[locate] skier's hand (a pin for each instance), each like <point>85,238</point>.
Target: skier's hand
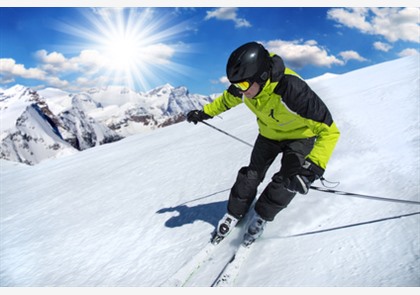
<point>311,171</point>
<point>302,181</point>
<point>296,177</point>
<point>196,116</point>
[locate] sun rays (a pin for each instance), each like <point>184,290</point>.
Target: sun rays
<point>132,47</point>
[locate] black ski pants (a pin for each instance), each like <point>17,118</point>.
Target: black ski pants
<point>275,197</point>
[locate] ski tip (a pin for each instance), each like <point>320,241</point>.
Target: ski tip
<point>248,240</point>
<point>216,239</point>
<point>247,244</point>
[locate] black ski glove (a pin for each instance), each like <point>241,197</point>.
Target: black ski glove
<point>296,177</point>
<point>196,116</point>
<point>302,181</point>
<point>311,171</point>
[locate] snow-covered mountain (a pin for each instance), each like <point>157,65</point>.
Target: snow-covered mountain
<point>31,131</point>
<point>133,212</point>
<point>128,112</point>
<point>37,125</point>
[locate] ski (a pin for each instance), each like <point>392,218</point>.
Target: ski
<point>184,274</point>
<point>187,271</point>
<point>232,268</point>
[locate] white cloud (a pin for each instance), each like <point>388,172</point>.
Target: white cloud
<point>89,82</point>
<point>352,17</point>
<point>89,61</point>
<point>10,69</point>
<point>350,54</point>
<point>54,62</point>
<point>6,79</point>
<point>298,54</point>
<point>56,82</point>
<point>87,66</point>
<point>225,81</point>
<point>51,66</point>
<point>408,52</point>
<point>393,24</point>
<point>382,46</point>
<point>53,57</point>
<point>222,80</point>
<point>227,13</point>
<point>160,53</point>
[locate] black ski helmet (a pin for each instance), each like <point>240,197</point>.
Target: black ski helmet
<point>250,61</point>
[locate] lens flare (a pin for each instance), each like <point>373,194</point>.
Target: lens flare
<point>135,47</point>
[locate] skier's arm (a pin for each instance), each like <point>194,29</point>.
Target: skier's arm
<point>327,137</point>
<point>301,99</point>
<point>229,99</point>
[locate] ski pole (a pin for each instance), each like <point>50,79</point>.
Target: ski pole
<point>224,132</point>
<point>327,190</point>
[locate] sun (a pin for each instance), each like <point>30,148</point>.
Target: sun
<point>122,51</point>
<point>134,47</point>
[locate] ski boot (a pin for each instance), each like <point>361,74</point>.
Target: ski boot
<point>255,230</point>
<point>224,227</point>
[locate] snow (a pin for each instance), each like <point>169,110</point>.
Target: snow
<point>15,102</point>
<point>115,95</point>
<point>131,213</point>
<point>58,100</point>
<point>323,77</point>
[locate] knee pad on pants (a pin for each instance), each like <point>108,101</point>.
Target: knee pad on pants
<point>273,199</point>
<point>243,192</point>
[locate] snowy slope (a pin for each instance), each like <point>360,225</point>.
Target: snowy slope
<point>130,213</point>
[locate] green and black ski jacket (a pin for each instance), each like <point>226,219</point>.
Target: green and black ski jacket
<point>286,108</point>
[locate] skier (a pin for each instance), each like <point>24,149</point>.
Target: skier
<point>292,120</point>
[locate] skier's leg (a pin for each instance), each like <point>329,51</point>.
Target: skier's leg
<point>241,196</point>
<point>244,190</point>
<point>275,196</point>
<point>273,199</point>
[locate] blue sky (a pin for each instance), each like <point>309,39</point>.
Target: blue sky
<point>75,49</point>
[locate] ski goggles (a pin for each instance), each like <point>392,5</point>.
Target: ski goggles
<point>243,86</point>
